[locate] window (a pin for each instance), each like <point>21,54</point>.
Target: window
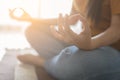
<point>11,31</point>
<point>52,8</point>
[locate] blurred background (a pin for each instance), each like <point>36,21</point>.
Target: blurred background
<point>12,31</point>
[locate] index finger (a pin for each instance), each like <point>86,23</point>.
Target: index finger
<point>84,22</point>
<point>60,23</point>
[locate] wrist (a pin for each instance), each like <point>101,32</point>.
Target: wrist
<point>90,45</point>
<point>86,46</point>
<point>94,44</point>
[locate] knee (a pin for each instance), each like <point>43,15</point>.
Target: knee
<point>30,31</point>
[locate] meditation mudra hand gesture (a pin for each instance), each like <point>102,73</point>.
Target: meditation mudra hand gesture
<point>65,33</point>
<point>24,16</point>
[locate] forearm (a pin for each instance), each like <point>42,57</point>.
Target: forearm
<point>44,21</point>
<point>53,21</point>
<point>106,38</point>
<point>110,36</point>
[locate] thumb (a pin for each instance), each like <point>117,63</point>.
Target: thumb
<point>85,24</point>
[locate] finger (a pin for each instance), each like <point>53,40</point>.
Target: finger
<point>60,21</point>
<point>67,26</point>
<point>23,10</point>
<point>10,10</point>
<point>11,13</point>
<point>86,28</point>
<point>59,36</point>
<point>84,20</point>
<point>55,33</point>
<point>68,33</point>
<point>60,24</point>
<point>66,21</point>
<point>85,25</point>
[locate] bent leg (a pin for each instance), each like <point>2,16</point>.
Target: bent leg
<point>45,44</point>
<point>75,64</point>
<point>41,39</point>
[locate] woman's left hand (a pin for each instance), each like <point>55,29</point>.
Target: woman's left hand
<point>64,33</point>
<point>24,16</point>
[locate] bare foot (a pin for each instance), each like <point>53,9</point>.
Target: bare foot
<point>31,59</point>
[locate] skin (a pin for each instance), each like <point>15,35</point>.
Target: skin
<point>110,36</point>
<point>84,40</point>
<point>26,17</point>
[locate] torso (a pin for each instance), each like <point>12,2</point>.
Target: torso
<point>104,22</point>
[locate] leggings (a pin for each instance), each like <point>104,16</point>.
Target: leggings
<point>67,62</point>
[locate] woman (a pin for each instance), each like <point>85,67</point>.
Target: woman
<point>90,58</point>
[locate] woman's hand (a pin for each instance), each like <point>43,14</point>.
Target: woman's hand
<point>64,33</point>
<point>73,19</point>
<point>24,17</point>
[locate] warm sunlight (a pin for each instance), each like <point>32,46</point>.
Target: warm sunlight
<point>11,4</point>
<point>52,8</point>
<point>11,31</point>
<point>36,8</point>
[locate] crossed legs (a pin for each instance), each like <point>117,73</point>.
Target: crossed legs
<point>44,43</point>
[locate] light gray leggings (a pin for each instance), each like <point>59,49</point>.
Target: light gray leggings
<point>66,62</point>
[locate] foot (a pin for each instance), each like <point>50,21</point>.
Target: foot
<point>31,59</point>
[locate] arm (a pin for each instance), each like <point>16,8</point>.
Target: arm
<point>84,40</point>
<point>54,21</point>
<point>108,37</point>
<point>44,21</point>
<point>72,20</point>
<point>26,17</point>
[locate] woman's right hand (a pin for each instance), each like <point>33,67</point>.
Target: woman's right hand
<point>24,17</point>
<point>73,19</point>
<point>65,33</point>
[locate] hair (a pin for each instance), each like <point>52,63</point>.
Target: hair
<point>93,9</point>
